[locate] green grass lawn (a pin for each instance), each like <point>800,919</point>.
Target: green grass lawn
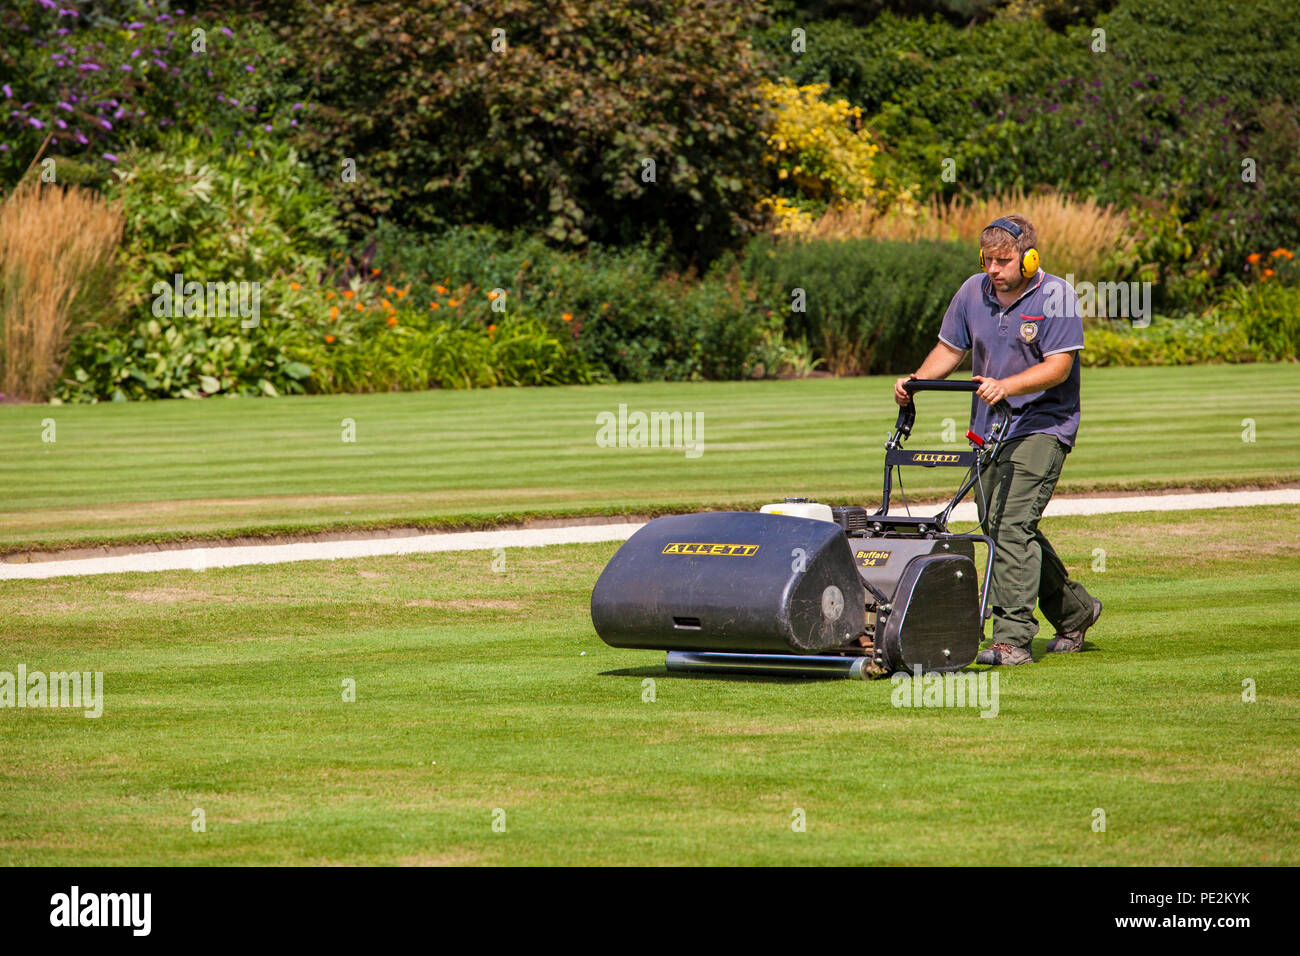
<point>479,691</point>
<point>219,468</point>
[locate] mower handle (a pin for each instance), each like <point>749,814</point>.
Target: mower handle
<point>939,385</point>
<point>907,413</point>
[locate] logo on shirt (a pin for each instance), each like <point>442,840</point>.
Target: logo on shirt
<point>1028,331</point>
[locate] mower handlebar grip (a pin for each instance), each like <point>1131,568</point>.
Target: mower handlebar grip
<point>938,385</point>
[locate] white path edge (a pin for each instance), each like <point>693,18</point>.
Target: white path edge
<point>199,559</point>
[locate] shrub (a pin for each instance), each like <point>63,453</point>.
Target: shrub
<point>622,313</point>
<point>255,215</point>
<point>1267,307</point>
<point>152,358</point>
<point>821,156</point>
<point>403,350</point>
<point>56,253</point>
<point>545,125</point>
<point>871,306</point>
<point>1187,341</point>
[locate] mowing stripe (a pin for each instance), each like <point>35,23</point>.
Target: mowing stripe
<point>199,559</point>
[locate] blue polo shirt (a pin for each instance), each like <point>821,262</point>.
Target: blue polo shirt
<point>1044,321</point>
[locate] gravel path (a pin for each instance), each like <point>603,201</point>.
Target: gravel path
<point>201,558</point>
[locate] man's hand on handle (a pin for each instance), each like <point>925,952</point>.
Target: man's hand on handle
<point>991,390</point>
<point>900,395</point>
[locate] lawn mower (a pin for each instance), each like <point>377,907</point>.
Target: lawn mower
<point>803,589</point>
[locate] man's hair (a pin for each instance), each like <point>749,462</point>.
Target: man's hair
<point>995,238</point>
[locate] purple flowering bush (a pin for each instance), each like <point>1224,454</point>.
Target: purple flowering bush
<point>98,79</point>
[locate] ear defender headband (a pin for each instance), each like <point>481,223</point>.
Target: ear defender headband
<point>1028,259</point>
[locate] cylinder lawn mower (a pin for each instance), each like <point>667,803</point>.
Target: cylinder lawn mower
<point>804,589</point>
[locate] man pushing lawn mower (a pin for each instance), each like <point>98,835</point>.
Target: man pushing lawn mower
<point>1024,328</point>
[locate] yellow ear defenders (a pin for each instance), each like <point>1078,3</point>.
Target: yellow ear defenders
<point>1028,258</point>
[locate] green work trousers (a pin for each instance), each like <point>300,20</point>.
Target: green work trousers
<point>1026,569</point>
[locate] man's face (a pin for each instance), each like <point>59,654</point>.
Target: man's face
<point>1003,267</point>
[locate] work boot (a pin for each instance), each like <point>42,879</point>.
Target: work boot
<point>1004,654</point>
<point>1067,641</point>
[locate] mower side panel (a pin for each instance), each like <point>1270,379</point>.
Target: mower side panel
<point>934,621</point>
<point>731,581</point>
<point>881,560</point>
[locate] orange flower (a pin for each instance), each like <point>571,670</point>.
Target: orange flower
<point>389,289</point>
<point>403,292</point>
<point>566,317</point>
<point>329,295</point>
<point>348,294</point>
<point>492,328</point>
<point>385,303</point>
<point>392,320</point>
<point>434,305</point>
<point>441,290</point>
<point>451,303</point>
<point>374,272</point>
<point>1268,273</point>
<point>360,307</point>
<point>329,339</point>
<point>334,312</point>
<point>1279,253</point>
<point>1253,258</point>
<point>294,286</point>
<point>492,295</point>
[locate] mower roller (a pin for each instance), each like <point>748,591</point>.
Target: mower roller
<point>802,589</point>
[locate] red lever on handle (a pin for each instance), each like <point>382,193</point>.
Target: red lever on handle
<point>975,438</point>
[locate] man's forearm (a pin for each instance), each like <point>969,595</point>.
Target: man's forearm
<point>1037,378</point>
<point>940,363</point>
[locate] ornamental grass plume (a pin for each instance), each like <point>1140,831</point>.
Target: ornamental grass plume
<point>1075,236</point>
<point>57,248</point>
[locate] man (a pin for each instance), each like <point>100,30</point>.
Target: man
<point>1025,329</point>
